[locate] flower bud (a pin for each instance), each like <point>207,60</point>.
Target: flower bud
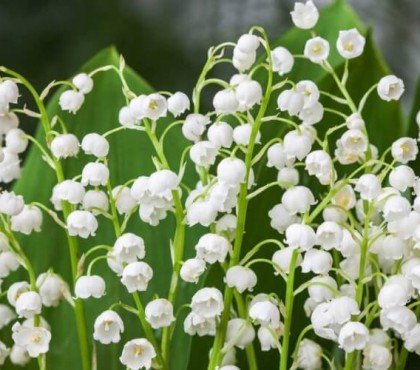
<point>248,43</point>
<point>124,201</point>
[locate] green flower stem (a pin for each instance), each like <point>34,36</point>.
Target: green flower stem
<point>289,311</point>
<point>71,240</point>
<point>216,355</point>
<point>178,243</point>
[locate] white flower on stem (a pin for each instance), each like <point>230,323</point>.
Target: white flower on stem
<point>95,201</point>
<point>95,174</point>
<point>138,353</point>
<point>280,218</point>
<point>6,315</point>
<point>248,93</point>
<point>404,150</point>
<point>19,356</point>
<point>312,114</point>
<point>402,178</point>
<point>248,43</point>
<point>126,117</point>
<point>317,49</point>
<point>242,60</point>
<point>316,261</point>
<point>9,167</point>
<point>162,183</point>
<point>178,103</point>
<point>15,290</point>
<point>412,339</point>
<point>203,153</point>
<point>95,144</point>
<point>8,263</point>
<point>353,336</point>
<point>240,333</point>
<point>305,15</point>
<point>310,92</point>
<point>354,141</point>
<point>390,88</point>
<point>64,146</point>
<point>194,126</point>
<point>8,121</point>
<point>225,102</point>
<point>35,340</point>
<point>28,304</point>
<point>276,156</point>
<point>396,208</point>
<point>153,106</point>
<point>27,221</point>
<point>231,171</point>
<point>329,235</point>
<point>136,276</point>
<point>10,203</point>
<point>16,141</point>
<point>309,355</point>
<point>159,313</point>
<point>129,247</point>
<point>226,226</point>
<point>398,318</point>
<point>137,107</point>
<point>298,199</point>
<point>321,288</point>
<point>282,59</point>
<point>108,327</point>
<point>192,269</point>
<point>71,101</point>
<point>350,43</point>
<point>282,259</point>
<point>124,202</point>
<point>82,224</point>
<point>89,286</point>
<point>83,82</point>
<point>197,324</point>
<point>207,302</point>
<point>355,122</point>
<point>394,293</point>
<point>241,278</point>
<point>212,248</point>
<point>269,337</point>
<point>68,190</point>
<point>265,313</point>
<point>368,186</point>
<point>376,357</point>
<point>9,91</point>
<point>345,198</point>
<point>411,270</point>
<point>242,134</point>
<point>288,177</point>
<point>300,236</point>
<point>318,163</point>
<point>335,214</point>
<point>237,78</point>
<point>201,212</point>
<point>52,288</point>
<point>290,101</point>
<point>297,144</point>
<point>220,134</point>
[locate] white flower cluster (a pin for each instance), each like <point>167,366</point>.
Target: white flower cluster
<point>347,219</point>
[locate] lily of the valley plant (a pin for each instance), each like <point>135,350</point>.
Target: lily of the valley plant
<point>356,243</point>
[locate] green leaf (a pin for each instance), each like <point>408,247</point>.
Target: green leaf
<point>130,157</point>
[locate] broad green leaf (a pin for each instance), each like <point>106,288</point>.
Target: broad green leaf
<point>384,122</point>
<point>130,157</point>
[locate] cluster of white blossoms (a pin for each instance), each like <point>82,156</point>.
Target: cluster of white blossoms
<point>354,241</point>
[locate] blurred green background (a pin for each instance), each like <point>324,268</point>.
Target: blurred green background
<point>166,40</point>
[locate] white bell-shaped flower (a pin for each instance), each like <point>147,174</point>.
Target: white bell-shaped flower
<point>240,333</point>
<point>288,177</point>
<point>129,247</point>
<point>316,261</point>
<point>368,186</point>
<point>52,289</point>
<point>16,141</point>
<point>353,336</point>
<point>297,144</point>
<point>248,43</point>
<point>329,235</point>
<point>126,117</point>
<point>7,315</point>
<point>15,290</point>
<point>10,203</point>
<point>282,259</point>
<point>159,313</point>
<point>390,88</point>
<point>19,356</point>
<point>89,286</point>
<point>398,318</point>
<point>242,134</point>
<point>28,304</point>
<point>137,354</point>
<point>412,339</point>
<point>248,93</point>
<point>95,144</point>
<point>241,278</point>
<point>136,276</point>
<point>71,101</point>
<point>282,59</point>
<point>83,82</point>
<point>317,49</point>
<point>376,357</point>
<point>207,302</point>
<point>64,146</point>
<point>402,178</point>
<point>265,313</point>
<point>298,199</point>
<point>309,355</point>
<point>27,221</point>
<point>194,126</point>
<point>8,263</point>
<point>203,153</point>
<point>404,150</point>
<point>95,201</point>
<point>276,156</point>
<point>350,43</point>
<point>67,190</point>
<point>195,324</point>
<point>124,201</point>
<point>280,218</point>
<point>220,134</point>
<point>108,327</point>
<point>322,288</point>
<point>225,102</point>
<point>305,15</point>
<point>300,236</point>
<point>290,101</point>
<point>178,103</point>
<point>9,91</point>
<point>212,248</point>
<point>192,269</point>
<point>231,171</point>
<point>95,174</point>
<point>82,224</point>
<point>35,340</point>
